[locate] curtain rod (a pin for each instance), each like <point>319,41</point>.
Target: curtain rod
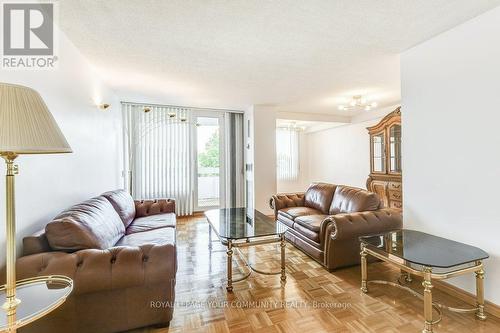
<point>183,107</point>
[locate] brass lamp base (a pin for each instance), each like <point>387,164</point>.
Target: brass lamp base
<point>10,304</point>
<point>40,295</point>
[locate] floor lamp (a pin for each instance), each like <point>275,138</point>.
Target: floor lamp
<point>26,127</point>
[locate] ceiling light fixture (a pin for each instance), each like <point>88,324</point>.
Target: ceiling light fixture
<point>358,102</point>
<point>292,126</point>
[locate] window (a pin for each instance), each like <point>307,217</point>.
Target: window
<point>287,153</point>
<point>194,156</point>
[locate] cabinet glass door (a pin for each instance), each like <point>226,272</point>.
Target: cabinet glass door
<point>378,153</point>
<point>395,149</point>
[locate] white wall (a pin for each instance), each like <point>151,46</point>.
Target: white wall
<point>451,140</point>
<point>248,157</point>
<point>49,183</point>
<point>341,155</point>
<point>262,155</point>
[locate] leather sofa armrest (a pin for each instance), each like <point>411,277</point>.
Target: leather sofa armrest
<point>36,243</point>
<point>99,270</point>
<point>284,200</point>
<point>153,207</point>
<point>354,225</point>
<point>341,233</point>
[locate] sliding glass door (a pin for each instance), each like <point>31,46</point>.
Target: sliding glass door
<point>194,156</point>
<point>209,160</point>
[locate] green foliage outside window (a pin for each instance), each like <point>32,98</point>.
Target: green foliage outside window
<point>210,157</point>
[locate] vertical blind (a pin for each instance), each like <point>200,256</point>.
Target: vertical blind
<point>235,174</point>
<point>287,154</point>
<point>159,154</point>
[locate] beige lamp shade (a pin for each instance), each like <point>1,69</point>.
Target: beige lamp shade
<point>26,124</point>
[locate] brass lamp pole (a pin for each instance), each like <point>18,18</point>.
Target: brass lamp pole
<point>11,301</point>
<point>26,127</point>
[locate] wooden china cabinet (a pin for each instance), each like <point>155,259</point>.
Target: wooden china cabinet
<point>385,160</point>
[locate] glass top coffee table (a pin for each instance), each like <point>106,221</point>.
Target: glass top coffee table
<point>428,256</point>
<point>240,227</point>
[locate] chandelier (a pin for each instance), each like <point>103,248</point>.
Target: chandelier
<point>292,126</point>
<point>358,102</point>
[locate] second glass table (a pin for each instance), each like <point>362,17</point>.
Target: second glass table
<point>428,256</point>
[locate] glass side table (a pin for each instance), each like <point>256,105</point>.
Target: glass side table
<point>38,296</point>
<point>428,256</point>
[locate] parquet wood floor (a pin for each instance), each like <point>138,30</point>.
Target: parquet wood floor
<point>313,299</point>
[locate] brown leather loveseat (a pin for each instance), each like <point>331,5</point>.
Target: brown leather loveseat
<point>121,256</point>
<point>326,220</point>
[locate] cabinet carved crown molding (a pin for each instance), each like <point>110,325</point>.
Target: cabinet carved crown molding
<point>385,177</point>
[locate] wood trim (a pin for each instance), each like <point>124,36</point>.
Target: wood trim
<point>197,214</point>
<point>394,116</point>
<point>491,308</point>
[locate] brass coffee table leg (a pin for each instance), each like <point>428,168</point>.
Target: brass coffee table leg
<point>209,236</point>
<point>229,253</point>
<point>428,275</point>
<point>405,276</point>
<point>363,270</point>
<point>283,247</point>
<point>427,284</point>
<point>480,293</point>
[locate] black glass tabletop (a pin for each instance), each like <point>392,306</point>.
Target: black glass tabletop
<point>239,223</point>
<point>423,249</point>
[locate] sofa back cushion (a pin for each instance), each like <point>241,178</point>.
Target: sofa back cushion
<point>93,224</point>
<point>123,203</point>
<point>352,199</point>
<point>319,196</point>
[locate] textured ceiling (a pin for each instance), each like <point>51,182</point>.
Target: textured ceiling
<point>305,56</point>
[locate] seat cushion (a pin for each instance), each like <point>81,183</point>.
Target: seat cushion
<point>93,224</point>
<point>285,220</point>
<point>159,236</point>
<point>311,222</point>
<point>293,212</point>
<point>311,247</point>
<point>307,233</point>
<point>309,226</point>
<point>352,199</point>
<point>123,203</point>
<point>152,222</point>
<point>319,196</point>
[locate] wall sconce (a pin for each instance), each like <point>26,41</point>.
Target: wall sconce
<point>104,106</point>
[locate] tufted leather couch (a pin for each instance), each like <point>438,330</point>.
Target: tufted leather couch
<point>326,220</point>
<point>121,255</point>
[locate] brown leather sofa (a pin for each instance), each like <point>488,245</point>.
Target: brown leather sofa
<point>326,220</point>
<point>121,256</point>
